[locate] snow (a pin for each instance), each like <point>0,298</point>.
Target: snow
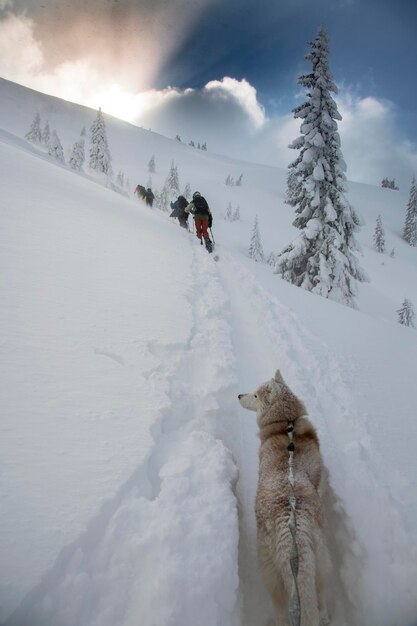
<point>128,468</point>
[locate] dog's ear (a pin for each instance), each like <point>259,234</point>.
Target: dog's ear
<point>278,377</point>
<point>274,387</point>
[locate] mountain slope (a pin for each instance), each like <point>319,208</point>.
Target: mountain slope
<point>125,348</point>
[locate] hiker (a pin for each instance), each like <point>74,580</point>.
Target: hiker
<point>202,217</point>
<point>178,211</point>
<point>149,197</point>
<point>140,191</point>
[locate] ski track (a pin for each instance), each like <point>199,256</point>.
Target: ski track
<point>196,385</point>
<point>317,377</point>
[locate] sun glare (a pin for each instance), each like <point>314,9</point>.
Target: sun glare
<point>119,103</point>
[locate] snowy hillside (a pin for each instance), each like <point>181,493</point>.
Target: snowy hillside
<point>128,468</point>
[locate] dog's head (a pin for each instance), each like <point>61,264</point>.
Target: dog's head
<point>273,401</point>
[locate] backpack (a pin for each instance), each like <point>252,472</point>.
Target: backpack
<point>201,206</point>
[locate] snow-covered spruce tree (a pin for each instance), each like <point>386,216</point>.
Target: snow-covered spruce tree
<point>46,134</point>
<point>321,258</point>
<point>410,225</point>
<point>35,134</point>
<point>172,182</point>
<point>272,259</point>
<point>77,158</point>
<point>55,149</point>
<point>406,314</point>
<point>236,214</point>
<point>187,191</point>
<point>256,251</point>
<point>204,146</point>
<point>100,157</point>
<point>228,216</point>
<point>379,236</point>
<point>192,144</point>
<point>151,165</point>
<point>162,199</point>
<point>238,183</point>
<point>292,185</point>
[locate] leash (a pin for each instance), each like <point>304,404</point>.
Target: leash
<point>294,604</point>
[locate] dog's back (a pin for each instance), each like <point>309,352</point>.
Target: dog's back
<point>277,408</point>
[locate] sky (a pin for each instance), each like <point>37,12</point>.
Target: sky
<point>225,72</point>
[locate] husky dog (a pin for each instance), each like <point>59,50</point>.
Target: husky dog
<point>279,412</point>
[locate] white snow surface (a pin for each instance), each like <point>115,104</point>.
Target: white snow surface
<point>128,468</point>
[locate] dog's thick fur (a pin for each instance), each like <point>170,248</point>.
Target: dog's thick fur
<point>276,406</point>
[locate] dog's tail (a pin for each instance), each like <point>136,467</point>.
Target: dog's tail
<point>306,579</point>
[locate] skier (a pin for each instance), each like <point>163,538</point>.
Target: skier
<point>202,217</point>
<point>149,197</point>
<point>178,211</point>
<point>140,191</point>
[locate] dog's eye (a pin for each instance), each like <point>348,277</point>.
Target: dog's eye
<point>255,396</point>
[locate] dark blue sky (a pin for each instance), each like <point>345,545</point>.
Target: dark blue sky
<point>373,47</point>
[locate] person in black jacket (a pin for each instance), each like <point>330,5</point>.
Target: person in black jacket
<point>178,211</point>
<point>149,197</point>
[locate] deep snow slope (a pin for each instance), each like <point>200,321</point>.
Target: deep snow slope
<point>128,468</point>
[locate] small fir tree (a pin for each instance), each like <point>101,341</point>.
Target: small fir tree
<point>120,178</point>
<point>172,182</point>
<point>46,134</point>
<point>236,214</point>
<point>151,165</point>
<point>187,191</point>
<point>228,216</point>
<point>35,134</point>
<point>77,158</point>
<point>192,144</point>
<point>406,314</point>
<point>204,146</point>
<point>177,137</point>
<point>410,225</point>
<point>322,258</point>
<point>55,149</point>
<point>162,199</point>
<point>100,157</point>
<point>272,259</point>
<point>255,249</point>
<point>392,253</point>
<point>238,183</point>
<point>379,236</point>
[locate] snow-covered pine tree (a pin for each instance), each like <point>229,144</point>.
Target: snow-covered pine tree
<point>35,134</point>
<point>46,134</point>
<point>321,258</point>
<point>410,225</point>
<point>100,157</point>
<point>236,214</point>
<point>198,146</point>
<point>256,251</point>
<point>192,144</point>
<point>162,199</point>
<point>120,178</point>
<point>177,137</point>
<point>227,181</point>
<point>238,183</point>
<point>379,236</point>
<point>151,165</point>
<point>406,314</point>
<point>204,146</point>
<point>172,182</point>
<point>272,259</point>
<point>187,191</point>
<point>55,149</point>
<point>392,253</point>
<point>228,216</point>
<point>77,158</point>
<point>291,186</point>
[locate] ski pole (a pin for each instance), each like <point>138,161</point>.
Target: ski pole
<point>211,233</point>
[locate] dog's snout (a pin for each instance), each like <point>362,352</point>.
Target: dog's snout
<point>240,396</point>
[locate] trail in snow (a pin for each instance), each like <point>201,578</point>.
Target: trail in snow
<point>148,556</point>
<point>270,334</point>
